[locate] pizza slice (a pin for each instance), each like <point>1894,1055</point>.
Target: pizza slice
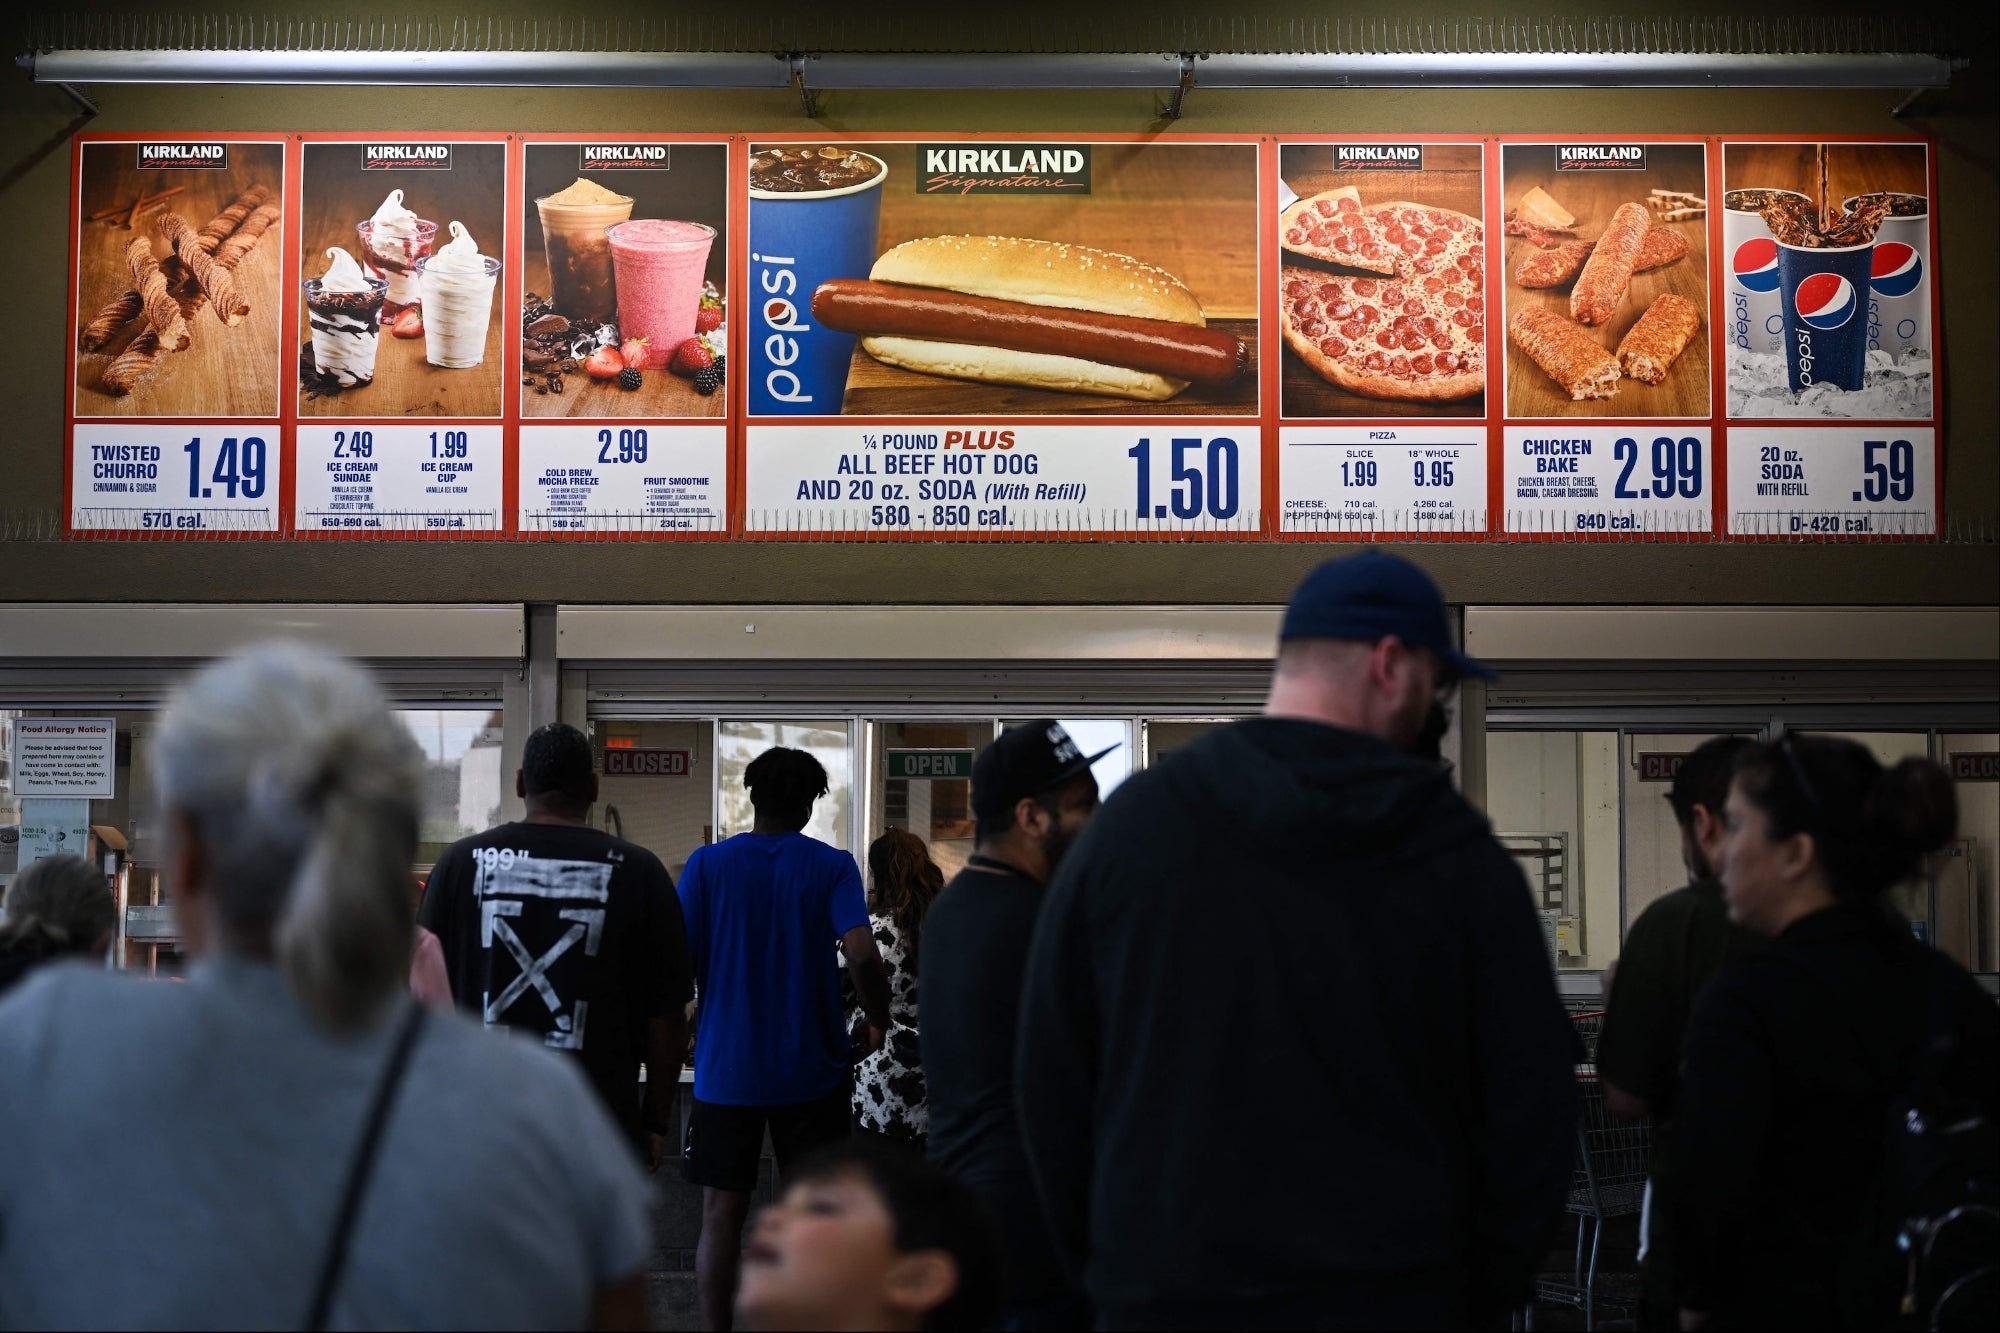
<point>1420,339</point>
<point>1334,227</point>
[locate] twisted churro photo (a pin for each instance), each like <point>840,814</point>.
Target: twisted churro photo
<point>177,303</point>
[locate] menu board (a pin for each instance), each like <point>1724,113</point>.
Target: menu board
<point>1381,297</point>
<point>1606,292</point>
<point>624,334</point>
<point>1830,296</point>
<point>1003,336</point>
<point>991,336</point>
<point>177,301</point>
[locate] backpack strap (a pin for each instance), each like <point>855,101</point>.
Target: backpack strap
<point>362,1167</point>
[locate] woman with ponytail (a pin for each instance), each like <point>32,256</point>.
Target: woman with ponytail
<point>289,1139</point>
<point>889,1083</point>
<point>1796,1057</point>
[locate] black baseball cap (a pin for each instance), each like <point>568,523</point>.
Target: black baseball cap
<point>1026,761</point>
<point>1371,596</point>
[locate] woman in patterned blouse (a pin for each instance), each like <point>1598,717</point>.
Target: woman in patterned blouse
<point>889,1085</point>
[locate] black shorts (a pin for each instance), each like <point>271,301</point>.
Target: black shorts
<point>724,1142</point>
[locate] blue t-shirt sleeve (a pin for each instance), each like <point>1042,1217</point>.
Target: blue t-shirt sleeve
<point>694,918</point>
<point>849,902</point>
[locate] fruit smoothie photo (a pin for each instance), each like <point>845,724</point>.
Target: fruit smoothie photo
<point>659,264</point>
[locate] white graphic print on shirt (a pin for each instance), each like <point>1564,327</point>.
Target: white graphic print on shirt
<point>527,902</point>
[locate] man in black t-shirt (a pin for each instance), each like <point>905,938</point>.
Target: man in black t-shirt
<point>554,928</point>
<point>1678,943</point>
<point>1033,792</point>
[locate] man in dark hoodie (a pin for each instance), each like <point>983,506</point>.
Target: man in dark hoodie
<point>1291,1053</point>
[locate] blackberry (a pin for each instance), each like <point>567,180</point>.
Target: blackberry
<point>630,378</point>
<point>707,380</point>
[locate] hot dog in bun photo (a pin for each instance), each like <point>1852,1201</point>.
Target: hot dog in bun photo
<point>1041,314</point>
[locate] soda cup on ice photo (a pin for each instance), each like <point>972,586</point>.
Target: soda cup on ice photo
<point>1824,292</point>
<point>814,215</point>
<point>1754,320</point>
<point>1899,280</point>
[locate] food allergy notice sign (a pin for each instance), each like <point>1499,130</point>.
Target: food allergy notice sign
<point>65,756</point>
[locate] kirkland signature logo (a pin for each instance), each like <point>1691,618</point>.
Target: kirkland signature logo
<point>1600,157</point>
<point>622,157</point>
<point>1378,157</point>
<point>406,157</point>
<point>181,156</point>
<point>1017,169</point>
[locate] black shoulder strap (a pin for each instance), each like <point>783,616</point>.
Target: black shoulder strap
<point>363,1166</point>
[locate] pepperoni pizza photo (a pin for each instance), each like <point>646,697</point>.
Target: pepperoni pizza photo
<point>1381,292</point>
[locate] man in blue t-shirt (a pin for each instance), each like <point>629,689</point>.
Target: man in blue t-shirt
<point>771,1049</point>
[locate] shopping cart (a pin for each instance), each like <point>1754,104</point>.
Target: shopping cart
<point>1609,1180</point>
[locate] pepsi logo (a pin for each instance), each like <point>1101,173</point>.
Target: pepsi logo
<point>1896,269</point>
<point>1756,264</point>
<point>1825,301</point>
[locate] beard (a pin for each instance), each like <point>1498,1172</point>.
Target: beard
<point>1056,844</point>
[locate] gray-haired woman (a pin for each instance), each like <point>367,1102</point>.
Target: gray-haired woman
<point>289,1139</point>
<point>59,907</point>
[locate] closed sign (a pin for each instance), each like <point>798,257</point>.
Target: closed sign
<point>1976,766</point>
<point>648,763</point>
<point>1659,767</point>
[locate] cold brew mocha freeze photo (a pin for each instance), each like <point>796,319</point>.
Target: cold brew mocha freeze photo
<point>960,279</point>
<point>623,280</point>
<point>400,256</point>
<point>178,278</point>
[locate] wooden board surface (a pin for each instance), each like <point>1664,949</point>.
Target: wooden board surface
<point>223,371</point>
<point>662,394</point>
<point>1593,196</point>
<point>1451,179</point>
<point>1851,169</point>
<point>1188,209</point>
<point>336,195</point>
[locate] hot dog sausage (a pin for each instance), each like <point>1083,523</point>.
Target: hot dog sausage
<point>1156,346</point>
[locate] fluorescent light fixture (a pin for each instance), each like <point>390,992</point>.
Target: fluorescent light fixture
<point>887,71</point>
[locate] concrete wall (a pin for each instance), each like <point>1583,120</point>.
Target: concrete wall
<point>35,122</point>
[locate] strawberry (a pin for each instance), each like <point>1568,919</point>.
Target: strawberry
<point>707,319</point>
<point>409,324</point>
<point>604,364</point>
<point>691,357</point>
<point>636,352</point>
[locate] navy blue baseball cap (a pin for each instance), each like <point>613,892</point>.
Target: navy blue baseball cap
<point>1371,596</point>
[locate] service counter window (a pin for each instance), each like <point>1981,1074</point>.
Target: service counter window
<point>922,784</point>
<point>1163,737</point>
<point>656,785</point>
<point>465,789</point>
<point>832,743</point>
<point>1553,797</point>
<point>1968,896</point>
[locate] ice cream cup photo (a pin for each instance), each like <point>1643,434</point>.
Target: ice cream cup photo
<point>659,263</point>
<point>344,308</point>
<point>458,301</point>
<point>799,239</point>
<point>1754,317</point>
<point>582,279</point>
<point>391,244</point>
<point>1899,286</point>
<point>1825,296</point>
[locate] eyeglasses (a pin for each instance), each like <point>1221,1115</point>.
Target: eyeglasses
<point>1798,771</point>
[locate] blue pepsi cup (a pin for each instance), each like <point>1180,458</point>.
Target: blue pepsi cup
<point>1825,297</point>
<point>797,241</point>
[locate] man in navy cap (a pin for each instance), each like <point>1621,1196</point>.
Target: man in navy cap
<point>1291,1054</point>
<point>1032,793</point>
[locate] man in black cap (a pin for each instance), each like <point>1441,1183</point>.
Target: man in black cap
<point>1291,1054</point>
<point>1032,792</point>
